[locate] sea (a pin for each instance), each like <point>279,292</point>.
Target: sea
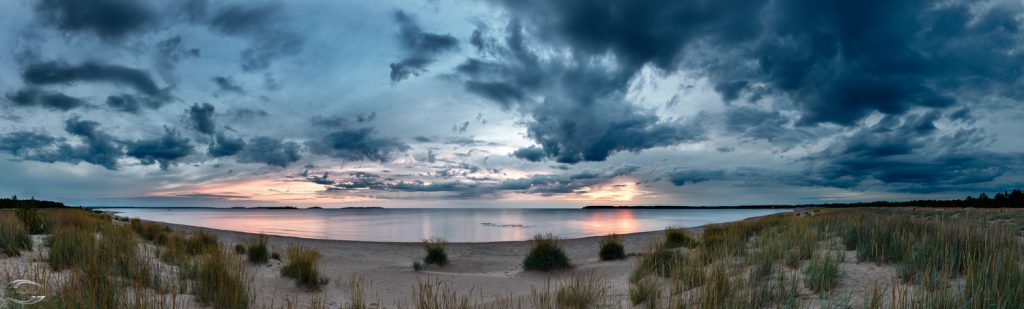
<point>453,224</point>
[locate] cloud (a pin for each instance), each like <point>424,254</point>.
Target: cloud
<point>270,151</point>
<point>48,99</point>
<point>223,146</point>
<point>421,47</point>
<point>164,150</point>
<point>226,84</point>
<point>60,73</point>
<point>357,144</point>
<point>109,19</point>
<point>200,118</point>
<point>580,112</point>
<point>532,154</point>
<point>682,176</point>
<point>263,25</point>
<point>131,103</point>
<point>170,52</point>
<point>94,146</point>
<point>19,142</point>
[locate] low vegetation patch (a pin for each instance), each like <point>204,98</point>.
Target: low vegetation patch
<point>611,248</point>
<point>150,231</point>
<point>545,254</point>
<point>581,292</point>
<point>435,251</point>
<point>239,249</point>
<point>822,273</point>
<point>14,237</point>
<point>256,250</point>
<point>220,280</point>
<point>304,266</point>
<point>645,292</point>
<point>676,237</point>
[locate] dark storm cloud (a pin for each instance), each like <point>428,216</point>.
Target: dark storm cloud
<point>264,26</point>
<point>200,118</point>
<point>270,151</point>
<point>241,114</point>
<point>582,113</point>
<point>16,143</point>
<point>226,84</point>
<point>682,176</point>
<point>164,150</point>
<point>532,154</point>
<point>225,146</point>
<point>421,47</point>
<point>48,99</point>
<point>95,146</point>
<point>357,144</point>
<point>908,154</point>
<point>131,103</point>
<point>61,73</point>
<point>109,19</point>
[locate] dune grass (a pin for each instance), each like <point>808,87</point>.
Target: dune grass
<point>14,237</point>
<point>676,237</point>
<point>435,251</point>
<point>545,254</point>
<point>611,248</point>
<point>32,221</point>
<point>256,249</point>
<point>304,267</point>
<point>221,280</point>
<point>157,233</point>
<point>582,291</point>
<point>822,273</point>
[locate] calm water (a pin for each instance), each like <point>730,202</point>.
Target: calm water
<point>457,225</point>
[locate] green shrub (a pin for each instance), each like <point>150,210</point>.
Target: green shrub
<point>435,251</point>
<point>545,254</point>
<point>417,266</point>
<point>239,249</point>
<point>14,237</point>
<point>257,251</point>
<point>304,266</point>
<point>678,237</point>
<point>32,221</point>
<point>611,248</point>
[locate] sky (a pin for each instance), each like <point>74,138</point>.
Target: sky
<point>509,103</point>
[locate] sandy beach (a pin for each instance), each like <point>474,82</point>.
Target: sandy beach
<point>484,269</point>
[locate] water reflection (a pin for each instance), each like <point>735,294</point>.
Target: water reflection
<point>459,225</point>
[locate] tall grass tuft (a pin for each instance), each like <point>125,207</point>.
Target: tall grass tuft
<point>14,237</point>
<point>645,291</point>
<point>545,254</point>
<point>611,248</point>
<point>435,251</point>
<point>150,231</point>
<point>676,237</point>
<point>304,266</point>
<point>70,246</point>
<point>32,221</point>
<point>257,251</point>
<point>822,273</point>
<point>580,292</point>
<point>221,280</point>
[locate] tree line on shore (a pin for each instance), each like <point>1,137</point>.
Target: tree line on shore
<point>14,202</point>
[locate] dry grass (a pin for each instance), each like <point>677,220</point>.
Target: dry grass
<point>14,237</point>
<point>304,266</point>
<point>546,255</point>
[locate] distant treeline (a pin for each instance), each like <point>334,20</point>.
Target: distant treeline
<point>1009,199</point>
<point>14,202</point>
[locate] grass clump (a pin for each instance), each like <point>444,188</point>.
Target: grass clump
<point>676,237</point>
<point>644,292</point>
<point>239,249</point>
<point>417,265</point>
<point>150,231</point>
<point>257,251</point>
<point>822,273</point>
<point>304,266</point>
<point>545,254</point>
<point>220,280</point>
<point>14,237</point>
<point>32,221</point>
<point>70,246</point>
<point>276,256</point>
<point>435,251</point>
<point>582,292</point>
<point>611,248</point>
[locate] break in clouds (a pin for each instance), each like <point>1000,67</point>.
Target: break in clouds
<point>565,102</point>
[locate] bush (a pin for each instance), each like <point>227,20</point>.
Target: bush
<point>611,248</point>
<point>14,237</point>
<point>276,256</point>
<point>304,266</point>
<point>257,251</point>
<point>32,221</point>
<point>239,249</point>
<point>678,237</point>
<point>435,251</point>
<point>417,266</point>
<point>545,254</point>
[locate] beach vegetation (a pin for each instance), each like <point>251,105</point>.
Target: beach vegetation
<point>611,248</point>
<point>14,237</point>
<point>257,251</point>
<point>417,265</point>
<point>303,266</point>
<point>676,237</point>
<point>546,254</point>
<point>220,280</point>
<point>581,292</point>
<point>239,249</point>
<point>435,251</point>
